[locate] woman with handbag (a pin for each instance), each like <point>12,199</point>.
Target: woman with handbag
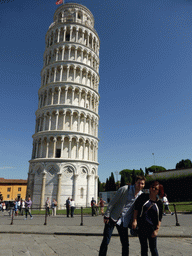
<point>147,217</point>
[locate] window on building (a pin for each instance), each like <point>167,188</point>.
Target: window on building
<point>19,189</point>
<point>18,196</point>
<point>8,196</point>
<point>67,36</point>
<point>8,189</point>
<point>82,192</point>
<point>58,153</point>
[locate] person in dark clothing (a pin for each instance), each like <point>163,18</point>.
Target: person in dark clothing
<point>68,206</point>
<point>147,216</point>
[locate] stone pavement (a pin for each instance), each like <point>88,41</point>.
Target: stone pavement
<point>65,236</point>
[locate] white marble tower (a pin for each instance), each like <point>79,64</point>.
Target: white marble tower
<point>65,144</point>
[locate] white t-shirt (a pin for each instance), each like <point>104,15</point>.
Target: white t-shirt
<point>165,200</point>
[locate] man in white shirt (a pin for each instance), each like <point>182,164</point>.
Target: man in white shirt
<point>166,205</point>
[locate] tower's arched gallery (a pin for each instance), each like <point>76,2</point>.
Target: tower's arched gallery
<point>65,144</point>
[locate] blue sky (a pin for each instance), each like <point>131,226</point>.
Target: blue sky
<point>145,81</point>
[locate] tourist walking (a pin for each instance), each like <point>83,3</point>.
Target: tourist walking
<point>166,205</point>
<point>16,207</point>
<point>94,207</point>
<point>119,213</point>
<point>47,206</point>
<point>101,204</point>
<point>54,207</point>
<point>72,205</point>
<point>147,216</point>
<point>28,204</point>
<point>68,206</point>
<point>22,207</point>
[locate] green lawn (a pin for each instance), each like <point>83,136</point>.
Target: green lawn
<point>180,207</point>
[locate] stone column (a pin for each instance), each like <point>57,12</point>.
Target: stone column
<point>85,99</point>
<point>78,123</point>
<point>43,191</point>
<point>63,52</point>
<point>58,35</point>
<point>74,74</point>
<point>71,121</point>
<point>68,72</point>
<point>69,56</point>
<point>59,96</point>
<point>70,38</point>
<point>66,89</point>
<point>77,150</point>
<point>83,157</point>
<point>64,34</point>
<point>64,114</point>
<point>47,150</point>
<point>62,142</point>
<point>55,73</point>
<point>75,176</point>
<point>52,98</point>
<point>88,190</point>
<point>54,146</point>
<point>57,54</point>
<point>96,187</point>
<point>49,123</point>
<point>80,98</point>
<point>70,148</point>
<point>72,98</point>
<point>57,119</point>
<point>84,124</point>
<point>75,53</point>
<point>59,191</point>
<point>76,39</point>
<point>81,75</point>
<point>61,73</point>
<point>81,55</point>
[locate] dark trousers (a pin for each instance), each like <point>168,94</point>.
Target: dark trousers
<point>123,233</point>
<point>27,211</point>
<point>67,211</point>
<point>72,211</point>
<point>144,237</point>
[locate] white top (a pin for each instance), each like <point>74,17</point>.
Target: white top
<point>72,203</point>
<point>165,200</point>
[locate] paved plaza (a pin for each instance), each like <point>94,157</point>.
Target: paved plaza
<point>65,236</point>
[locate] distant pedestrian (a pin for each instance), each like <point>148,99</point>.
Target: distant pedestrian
<point>28,204</point>
<point>94,207</point>
<point>72,205</point>
<point>54,207</point>
<point>48,205</point>
<point>22,207</point>
<point>68,206</point>
<point>101,204</point>
<point>16,207</point>
<point>19,206</point>
<point>166,205</point>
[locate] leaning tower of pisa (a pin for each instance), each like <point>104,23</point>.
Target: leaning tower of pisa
<point>65,143</point>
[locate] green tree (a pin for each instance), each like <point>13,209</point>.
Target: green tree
<point>107,185</point>
<point>122,182</point>
<point>184,164</point>
<point>130,175</point>
<point>155,169</point>
<point>112,185</point>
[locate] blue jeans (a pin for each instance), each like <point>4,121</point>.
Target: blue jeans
<point>144,237</point>
<point>123,233</point>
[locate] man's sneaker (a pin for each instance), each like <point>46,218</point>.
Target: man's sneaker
<point>31,218</point>
<point>164,214</point>
<point>172,213</point>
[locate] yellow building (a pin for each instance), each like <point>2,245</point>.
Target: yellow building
<point>13,188</point>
